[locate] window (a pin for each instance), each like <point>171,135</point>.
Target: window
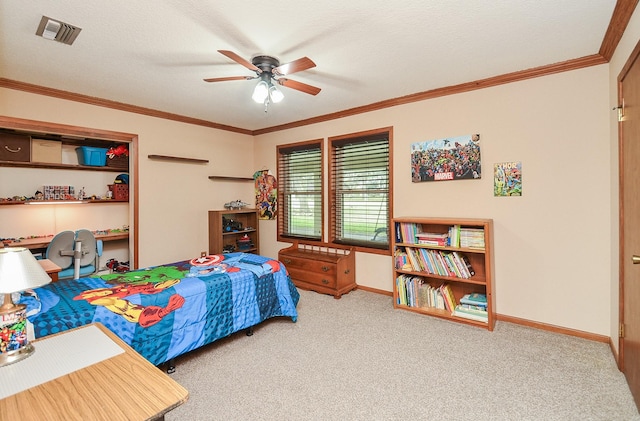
<point>300,191</point>
<point>359,176</point>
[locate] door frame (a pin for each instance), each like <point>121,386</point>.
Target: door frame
<point>635,55</point>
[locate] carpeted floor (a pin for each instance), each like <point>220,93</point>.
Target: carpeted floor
<point>359,359</point>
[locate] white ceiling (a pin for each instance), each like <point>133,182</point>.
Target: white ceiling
<point>155,53</point>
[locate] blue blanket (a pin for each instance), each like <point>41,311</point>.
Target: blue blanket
<point>165,311</point>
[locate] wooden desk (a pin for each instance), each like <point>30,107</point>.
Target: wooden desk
<point>124,387</point>
<point>51,268</point>
<point>43,242</point>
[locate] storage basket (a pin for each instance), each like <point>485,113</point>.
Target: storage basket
<point>94,157</point>
<point>121,161</point>
<point>119,191</point>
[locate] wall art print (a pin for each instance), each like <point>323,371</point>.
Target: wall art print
<point>507,179</point>
<point>453,158</point>
<point>266,190</point>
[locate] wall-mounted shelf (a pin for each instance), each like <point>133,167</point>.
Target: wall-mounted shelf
<point>178,159</point>
<point>220,177</point>
<point>59,202</point>
<point>51,166</point>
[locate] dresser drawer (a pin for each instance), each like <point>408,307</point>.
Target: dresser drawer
<point>320,279</point>
<point>309,265</point>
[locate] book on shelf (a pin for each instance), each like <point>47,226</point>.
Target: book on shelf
<point>414,260</point>
<point>434,262</point>
<point>472,238</point>
<point>414,291</point>
<point>466,313</point>
<point>467,263</point>
<point>406,232</point>
<point>475,298</point>
<point>472,307</point>
<point>402,260</point>
<point>432,239</point>
<point>454,236</point>
<point>449,298</point>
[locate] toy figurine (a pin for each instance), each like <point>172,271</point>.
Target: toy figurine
<point>236,204</point>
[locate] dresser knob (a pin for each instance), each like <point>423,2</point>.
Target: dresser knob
<point>324,281</point>
<point>346,272</point>
<point>325,268</point>
<point>287,261</point>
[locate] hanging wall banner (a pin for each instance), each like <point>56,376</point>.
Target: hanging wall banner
<point>266,194</point>
<point>507,179</point>
<point>454,158</point>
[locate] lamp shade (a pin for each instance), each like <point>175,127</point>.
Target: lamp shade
<point>19,270</point>
<point>260,92</point>
<point>275,94</point>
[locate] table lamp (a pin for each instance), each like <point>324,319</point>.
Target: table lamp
<point>19,270</point>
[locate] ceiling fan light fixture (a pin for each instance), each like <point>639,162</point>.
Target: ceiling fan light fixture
<point>275,94</point>
<point>260,92</point>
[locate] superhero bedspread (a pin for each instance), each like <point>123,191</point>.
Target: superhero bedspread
<point>165,311</point>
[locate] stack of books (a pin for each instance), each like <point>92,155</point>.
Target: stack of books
<point>473,307</point>
<point>433,239</point>
<point>472,238</point>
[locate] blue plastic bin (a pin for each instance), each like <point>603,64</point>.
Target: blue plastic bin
<point>94,157</point>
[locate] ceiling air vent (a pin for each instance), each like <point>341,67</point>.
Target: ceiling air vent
<point>57,31</point>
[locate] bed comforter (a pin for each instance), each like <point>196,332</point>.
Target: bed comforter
<point>165,311</point>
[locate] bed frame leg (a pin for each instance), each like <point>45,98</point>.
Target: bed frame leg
<point>250,331</point>
<point>171,366</point>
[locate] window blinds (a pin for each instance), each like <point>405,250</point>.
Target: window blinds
<point>360,191</point>
<point>300,191</point>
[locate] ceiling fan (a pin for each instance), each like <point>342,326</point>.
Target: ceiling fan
<point>269,70</point>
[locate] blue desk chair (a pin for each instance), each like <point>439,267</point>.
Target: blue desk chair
<point>78,254</point>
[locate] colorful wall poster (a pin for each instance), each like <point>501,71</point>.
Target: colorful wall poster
<point>507,179</point>
<point>453,158</point>
<point>266,194</point>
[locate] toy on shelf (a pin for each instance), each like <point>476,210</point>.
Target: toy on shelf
<point>235,204</point>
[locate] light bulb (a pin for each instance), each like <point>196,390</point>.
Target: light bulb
<point>275,94</point>
<point>260,92</point>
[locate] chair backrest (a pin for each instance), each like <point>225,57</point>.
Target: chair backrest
<point>62,251</point>
<point>88,246</point>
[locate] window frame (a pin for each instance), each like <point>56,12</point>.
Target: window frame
<point>338,141</point>
<point>282,191</point>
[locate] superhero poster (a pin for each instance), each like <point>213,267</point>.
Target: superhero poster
<point>266,194</point>
<point>453,158</point>
<point>507,179</point>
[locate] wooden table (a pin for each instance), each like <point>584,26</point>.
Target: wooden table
<point>51,268</point>
<point>124,387</point>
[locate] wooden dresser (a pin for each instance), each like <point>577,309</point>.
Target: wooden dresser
<point>328,270</point>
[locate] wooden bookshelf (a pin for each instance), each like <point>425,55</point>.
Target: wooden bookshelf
<point>422,268</point>
<point>222,235</point>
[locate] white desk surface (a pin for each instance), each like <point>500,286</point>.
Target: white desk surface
<point>57,356</point>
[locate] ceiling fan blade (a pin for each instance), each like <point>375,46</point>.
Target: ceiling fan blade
<point>298,65</point>
<point>299,86</point>
<point>222,79</point>
<point>233,56</point>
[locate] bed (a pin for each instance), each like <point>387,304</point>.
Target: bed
<point>164,311</point>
